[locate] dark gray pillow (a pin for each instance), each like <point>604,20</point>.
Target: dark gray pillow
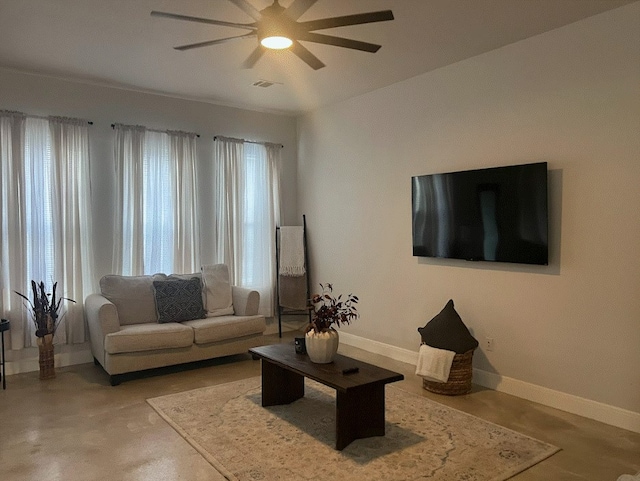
<point>179,300</point>
<point>447,331</point>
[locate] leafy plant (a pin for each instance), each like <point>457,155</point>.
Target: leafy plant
<point>328,309</point>
<point>45,308</point>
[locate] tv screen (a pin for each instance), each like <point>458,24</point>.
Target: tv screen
<point>497,214</point>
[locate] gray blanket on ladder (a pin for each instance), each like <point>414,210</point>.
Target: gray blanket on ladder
<point>293,292</point>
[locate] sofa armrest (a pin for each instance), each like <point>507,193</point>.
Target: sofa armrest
<point>102,319</point>
<point>245,301</point>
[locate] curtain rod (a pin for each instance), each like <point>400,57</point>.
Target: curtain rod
<point>221,137</point>
<point>113,126</point>
<point>43,117</point>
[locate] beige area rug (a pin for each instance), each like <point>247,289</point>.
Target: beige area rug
<point>423,440</point>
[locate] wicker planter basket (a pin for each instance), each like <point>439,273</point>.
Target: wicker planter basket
<point>45,352</point>
<point>459,381</point>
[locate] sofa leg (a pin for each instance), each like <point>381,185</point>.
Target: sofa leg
<point>115,380</point>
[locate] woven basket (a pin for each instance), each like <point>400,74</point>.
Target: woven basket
<point>45,352</point>
<point>459,381</point>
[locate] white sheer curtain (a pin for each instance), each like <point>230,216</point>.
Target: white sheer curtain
<point>128,238</point>
<point>156,224</point>
<point>247,190</point>
<point>46,219</point>
<point>73,231</point>
<point>186,234</point>
<point>13,275</point>
<point>228,154</point>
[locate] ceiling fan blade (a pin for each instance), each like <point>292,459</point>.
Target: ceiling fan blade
<point>247,8</point>
<point>310,59</point>
<point>176,16</point>
<point>254,57</point>
<point>357,19</point>
<point>338,41</point>
<point>298,7</point>
<point>182,48</point>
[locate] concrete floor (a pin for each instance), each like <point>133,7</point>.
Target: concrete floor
<point>77,427</point>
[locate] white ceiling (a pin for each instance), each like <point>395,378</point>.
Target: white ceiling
<point>117,42</point>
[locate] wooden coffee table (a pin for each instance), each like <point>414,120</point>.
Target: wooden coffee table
<point>359,396</point>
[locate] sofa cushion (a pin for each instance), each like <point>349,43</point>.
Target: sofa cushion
<point>133,297</point>
<point>447,331</point>
<point>221,328</point>
<point>219,301</point>
<point>179,300</point>
<point>148,337</point>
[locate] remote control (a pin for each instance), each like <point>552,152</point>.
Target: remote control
<point>350,370</point>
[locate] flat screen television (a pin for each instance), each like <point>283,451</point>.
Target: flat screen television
<point>497,214</point>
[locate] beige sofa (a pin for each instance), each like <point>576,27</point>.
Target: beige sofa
<point>145,322</point>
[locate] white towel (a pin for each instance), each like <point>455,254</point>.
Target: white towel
<point>629,477</point>
<point>434,364</point>
<point>292,251</point>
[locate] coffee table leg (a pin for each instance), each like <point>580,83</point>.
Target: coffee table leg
<point>280,386</point>
<point>359,414</point>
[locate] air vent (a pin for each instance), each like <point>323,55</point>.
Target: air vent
<point>265,83</point>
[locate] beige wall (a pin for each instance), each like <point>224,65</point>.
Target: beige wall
<point>570,97</point>
<point>38,95</point>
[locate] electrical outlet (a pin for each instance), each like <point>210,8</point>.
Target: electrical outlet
<point>489,344</point>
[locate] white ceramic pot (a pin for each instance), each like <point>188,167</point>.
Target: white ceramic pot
<point>321,346</point>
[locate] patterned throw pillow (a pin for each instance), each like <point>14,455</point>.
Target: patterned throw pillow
<point>179,300</point>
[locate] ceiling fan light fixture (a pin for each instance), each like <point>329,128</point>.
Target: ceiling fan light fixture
<point>278,28</point>
<point>274,34</point>
<point>276,42</point>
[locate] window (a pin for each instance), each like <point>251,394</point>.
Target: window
<point>38,201</point>
<point>248,208</point>
<point>46,224</point>
<point>156,210</point>
<point>159,202</point>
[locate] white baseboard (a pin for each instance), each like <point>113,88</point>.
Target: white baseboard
<point>68,356</point>
<point>588,408</point>
<point>375,347</point>
<point>598,411</point>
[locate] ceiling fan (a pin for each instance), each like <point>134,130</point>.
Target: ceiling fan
<point>277,27</point>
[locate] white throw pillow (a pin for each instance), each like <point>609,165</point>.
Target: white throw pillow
<point>219,301</point>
